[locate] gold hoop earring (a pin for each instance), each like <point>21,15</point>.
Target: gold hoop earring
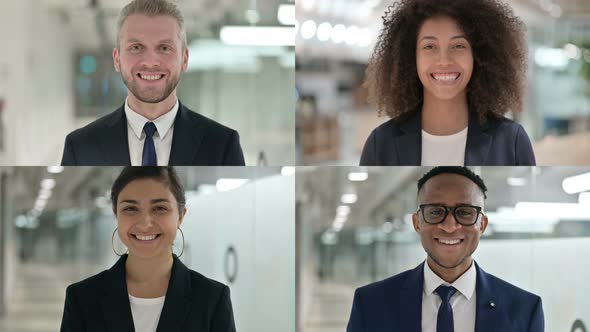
<point>181,233</point>
<point>113,244</point>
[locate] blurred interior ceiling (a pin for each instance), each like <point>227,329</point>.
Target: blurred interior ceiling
<point>390,192</point>
<point>385,189</point>
<point>368,14</point>
<point>203,18</point>
<point>369,11</point>
<point>78,187</point>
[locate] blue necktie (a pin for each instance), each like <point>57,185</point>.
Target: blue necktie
<point>148,158</point>
<point>444,320</point>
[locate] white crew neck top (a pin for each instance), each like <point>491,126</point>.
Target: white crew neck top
<point>146,312</point>
<point>446,150</point>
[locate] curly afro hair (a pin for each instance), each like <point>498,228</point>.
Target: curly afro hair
<point>497,40</point>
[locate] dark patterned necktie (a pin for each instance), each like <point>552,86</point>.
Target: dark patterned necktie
<point>148,158</point>
<point>444,320</point>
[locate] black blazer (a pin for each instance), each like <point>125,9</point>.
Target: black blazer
<point>193,303</point>
<point>197,140</point>
<point>499,142</point>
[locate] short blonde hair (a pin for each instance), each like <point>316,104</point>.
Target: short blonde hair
<point>152,8</point>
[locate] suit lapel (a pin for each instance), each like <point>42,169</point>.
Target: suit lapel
<point>478,142</point>
<point>410,302</point>
<point>114,141</point>
<point>187,138</point>
<point>177,304</point>
<point>115,303</point>
<point>489,306</point>
<point>409,144</point>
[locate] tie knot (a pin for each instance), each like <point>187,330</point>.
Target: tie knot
<point>149,128</point>
<point>445,292</point>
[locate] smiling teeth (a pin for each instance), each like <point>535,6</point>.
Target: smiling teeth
<point>449,241</point>
<point>151,77</point>
<point>451,77</point>
<point>145,238</point>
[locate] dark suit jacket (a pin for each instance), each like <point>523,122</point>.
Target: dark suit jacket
<point>197,140</point>
<point>193,303</point>
<point>395,304</point>
<point>499,142</point>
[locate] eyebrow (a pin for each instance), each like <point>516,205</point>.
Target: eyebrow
<point>166,41</point>
<point>454,37</point>
<point>135,40</point>
<point>153,201</point>
<point>457,204</point>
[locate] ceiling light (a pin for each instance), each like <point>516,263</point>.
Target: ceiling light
<point>516,181</point>
<point>48,184</point>
<point>229,184</point>
<point>55,169</point>
<point>257,35</point>
<point>286,14</point>
<point>576,184</point>
<point>358,176</point>
<point>348,198</point>
<point>287,170</point>
<point>308,29</point>
<point>352,35</point>
<point>343,210</point>
<point>338,33</point>
<point>324,31</point>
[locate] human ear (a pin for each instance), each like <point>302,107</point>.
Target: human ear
<point>116,60</point>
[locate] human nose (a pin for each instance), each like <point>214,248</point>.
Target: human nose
<point>151,58</point>
<point>145,220</point>
<point>444,57</point>
<point>449,224</point>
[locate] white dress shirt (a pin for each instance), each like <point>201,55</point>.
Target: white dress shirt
<point>444,150</point>
<point>146,312</point>
<point>463,301</point>
<point>162,138</point>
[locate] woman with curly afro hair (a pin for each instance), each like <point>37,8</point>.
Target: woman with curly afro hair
<point>446,72</point>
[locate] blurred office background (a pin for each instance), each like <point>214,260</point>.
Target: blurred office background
<point>354,227</point>
<point>56,73</point>
<point>335,40</point>
<point>56,226</point>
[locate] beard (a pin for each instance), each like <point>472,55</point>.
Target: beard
<point>152,95</point>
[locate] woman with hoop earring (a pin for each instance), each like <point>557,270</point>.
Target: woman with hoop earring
<point>148,288</point>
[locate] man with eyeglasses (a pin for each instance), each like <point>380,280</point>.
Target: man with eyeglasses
<point>449,292</point>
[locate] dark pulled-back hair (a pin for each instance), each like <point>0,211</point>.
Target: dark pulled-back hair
<point>165,175</point>
<point>463,171</point>
<point>496,37</point>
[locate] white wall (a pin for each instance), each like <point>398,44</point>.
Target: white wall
<point>554,269</point>
<point>7,242</point>
<point>259,105</point>
<point>36,83</point>
<point>257,219</point>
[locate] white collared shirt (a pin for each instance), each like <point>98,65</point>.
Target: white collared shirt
<point>162,138</point>
<point>446,150</point>
<point>146,312</point>
<point>463,301</point>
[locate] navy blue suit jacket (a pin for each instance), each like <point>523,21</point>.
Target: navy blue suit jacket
<point>395,305</point>
<point>193,303</point>
<point>499,142</point>
<point>197,140</point>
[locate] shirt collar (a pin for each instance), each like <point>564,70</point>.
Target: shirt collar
<point>163,123</point>
<point>464,285</point>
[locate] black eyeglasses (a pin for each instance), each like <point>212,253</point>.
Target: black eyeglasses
<point>465,215</point>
